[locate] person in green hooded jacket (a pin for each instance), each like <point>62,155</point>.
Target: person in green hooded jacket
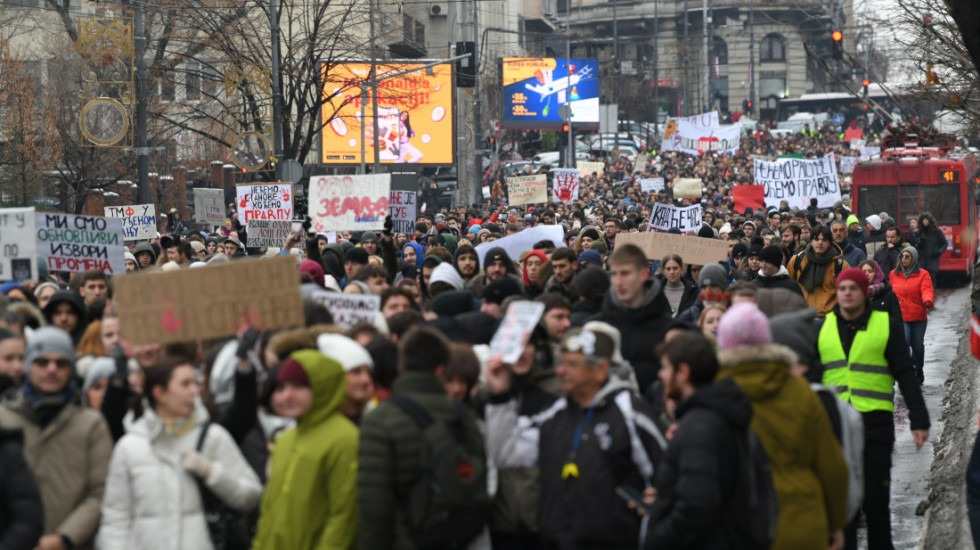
<point>311,498</point>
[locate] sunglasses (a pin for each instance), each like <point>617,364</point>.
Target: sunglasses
<point>60,363</point>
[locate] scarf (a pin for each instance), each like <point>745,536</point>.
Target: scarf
<point>816,267</point>
<point>878,282</point>
<point>913,266</point>
<point>47,406</point>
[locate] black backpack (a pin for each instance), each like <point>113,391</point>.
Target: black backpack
<point>448,504</point>
<point>754,506</point>
<point>228,529</point>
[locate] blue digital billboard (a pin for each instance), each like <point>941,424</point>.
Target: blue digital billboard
<point>535,89</point>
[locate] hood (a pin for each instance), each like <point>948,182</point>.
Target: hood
<point>145,247</point>
<point>654,304</point>
<point>328,382</point>
<point>761,371</point>
<point>724,397</point>
<point>653,291</point>
<point>783,272</point>
<point>419,254</point>
<point>607,392</point>
<point>77,304</point>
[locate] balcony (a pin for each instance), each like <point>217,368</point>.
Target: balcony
<point>412,44</point>
<point>539,15</point>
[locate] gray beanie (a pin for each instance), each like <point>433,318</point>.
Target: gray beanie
<point>102,367</point>
<point>48,340</point>
<point>713,274</point>
<point>795,331</point>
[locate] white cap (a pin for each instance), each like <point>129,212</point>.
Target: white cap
<point>343,350</point>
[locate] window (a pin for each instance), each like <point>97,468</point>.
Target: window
<point>773,48</point>
<point>943,201</point>
<point>164,85</point>
<point>719,93</point>
<point>720,52</point>
<point>772,84</point>
<point>192,81</point>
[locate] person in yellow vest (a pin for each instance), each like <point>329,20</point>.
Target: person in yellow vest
<point>862,353</point>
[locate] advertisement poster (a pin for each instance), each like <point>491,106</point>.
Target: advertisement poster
<point>415,114</point>
<point>535,89</point>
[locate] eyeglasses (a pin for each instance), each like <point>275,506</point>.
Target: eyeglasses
<point>60,363</point>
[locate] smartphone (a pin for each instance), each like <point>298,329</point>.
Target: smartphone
<point>297,229</point>
<point>631,494</point>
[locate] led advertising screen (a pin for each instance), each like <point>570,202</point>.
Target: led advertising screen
<point>415,114</point>
<point>536,88</point>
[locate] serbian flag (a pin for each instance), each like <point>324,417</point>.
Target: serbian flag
<point>746,196</point>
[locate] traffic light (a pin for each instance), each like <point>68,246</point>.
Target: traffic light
<point>466,67</point>
<point>838,38</point>
<point>866,83</point>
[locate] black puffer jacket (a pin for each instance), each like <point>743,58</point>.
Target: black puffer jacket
<point>697,476</point>
<point>779,280</point>
<point>642,329</point>
<point>931,244</point>
<point>22,514</point>
<point>690,296</point>
<point>885,300</point>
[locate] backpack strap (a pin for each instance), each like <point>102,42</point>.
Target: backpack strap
<point>412,409</point>
<point>798,266</point>
<point>200,438</point>
<point>838,266</point>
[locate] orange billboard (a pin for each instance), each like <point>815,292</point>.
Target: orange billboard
<point>415,114</point>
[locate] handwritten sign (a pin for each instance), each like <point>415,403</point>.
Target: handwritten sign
<point>586,168</point>
<point>349,203</point>
<point>348,309</point>
<point>527,189</point>
<point>18,247</point>
<point>209,302</point>
<point>272,201</point>
<point>209,205</point>
<point>401,208</point>
<point>668,216</point>
<point>857,144</point>
<point>566,185</point>
<point>652,185</point>
<point>268,233</point>
<point>640,164</point>
<point>688,188</point>
<point>796,181</point>
<point>139,221</point>
<point>515,330</point>
<point>524,240</point>
<point>693,250</point>
<point>847,164</point>
<point>697,140</point>
<point>80,243</point>
<point>868,152</point>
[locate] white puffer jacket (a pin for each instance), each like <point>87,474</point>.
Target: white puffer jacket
<point>152,503</point>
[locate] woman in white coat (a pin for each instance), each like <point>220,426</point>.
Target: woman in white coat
<point>152,500</point>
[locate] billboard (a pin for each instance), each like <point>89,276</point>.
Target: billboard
<point>415,114</point>
<point>536,88</point>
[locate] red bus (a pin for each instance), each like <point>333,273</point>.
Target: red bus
<point>911,179</point>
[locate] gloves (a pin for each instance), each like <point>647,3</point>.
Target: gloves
<point>388,225</point>
<point>122,364</point>
<point>307,223</point>
<point>929,305</point>
<point>196,463</point>
<point>246,342</point>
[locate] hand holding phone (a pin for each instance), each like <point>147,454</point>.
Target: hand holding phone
<point>633,497</point>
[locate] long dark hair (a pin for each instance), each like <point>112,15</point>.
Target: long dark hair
<point>408,124</point>
<point>159,374</point>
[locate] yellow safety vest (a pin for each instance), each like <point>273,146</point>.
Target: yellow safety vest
<point>863,379</point>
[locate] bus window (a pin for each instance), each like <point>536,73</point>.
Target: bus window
<point>872,200</point>
<point>943,201</point>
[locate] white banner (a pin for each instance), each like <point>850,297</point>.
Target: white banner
<point>696,140</point>
<point>847,164</point>
<point>651,185</point>
<point>264,201</point>
<point>519,242</point>
<point>18,245</point>
<point>668,216</point>
<point>208,205</point>
<point>139,220</point>
<point>348,309</point>
<point>796,181</point>
<point>566,185</point>
<point>349,203</point>
<point>857,144</point>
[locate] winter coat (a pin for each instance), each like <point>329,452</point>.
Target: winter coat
<point>696,478</point>
<point>642,329</point>
<point>779,280</point>
<point>885,300</point>
<point>311,500</point>
<point>388,460</point>
<point>70,459</point>
<point>931,245</point>
<point>22,514</point>
<point>584,511</point>
<point>823,297</point>
<point>807,463</point>
<point>913,293</point>
<point>688,298</point>
<point>887,258</point>
<point>152,502</point>
<point>853,255</point>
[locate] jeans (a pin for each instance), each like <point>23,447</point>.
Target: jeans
<point>915,335</point>
<point>973,492</point>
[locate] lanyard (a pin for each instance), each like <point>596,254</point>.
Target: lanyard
<point>571,469</point>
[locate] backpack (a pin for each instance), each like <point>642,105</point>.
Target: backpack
<point>227,528</point>
<point>755,506</point>
<point>848,426</point>
<point>448,503</point>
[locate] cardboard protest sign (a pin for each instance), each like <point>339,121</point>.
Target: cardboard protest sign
<point>651,185</point>
<point>18,246</point>
<point>208,302</point>
<point>515,330</point>
<point>694,139</point>
<point>640,164</point>
<point>847,164</point>
<point>268,233</point>
<point>668,216</point>
<point>349,203</point>
<point>401,208</point>
<point>209,205</point>
<point>349,309</point>
<point>80,243</point>
<point>264,201</point>
<point>566,185</point>
<point>693,250</point>
<point>868,152</point>
<point>852,134</point>
<point>586,168</point>
<point>797,181</point>
<point>749,196</point>
<point>519,242</point>
<point>527,189</point>
<point>139,221</point>
<point>688,188</point>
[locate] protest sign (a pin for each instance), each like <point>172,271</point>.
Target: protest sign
<point>139,221</point>
<point>586,168</point>
<point>80,243</point>
<point>18,247</point>
<point>687,188</point>
<point>349,203</point>
<point>527,189</point>
<point>566,185</point>
<point>349,309</point>
<point>640,164</point>
<point>261,201</point>
<point>868,152</point>
<point>668,216</point>
<point>209,205</point>
<point>797,181</point>
<point>268,233</point>
<point>515,330</point>
<point>519,242</point>
<point>651,185</point>
<point>857,144</point>
<point>696,140</point>
<point>401,208</point>
<point>693,250</point>
<point>852,134</point>
<point>749,196</point>
<point>208,302</point>
<point>847,164</point>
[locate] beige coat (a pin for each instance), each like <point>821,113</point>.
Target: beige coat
<point>70,460</point>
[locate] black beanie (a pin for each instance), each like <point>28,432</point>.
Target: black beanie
<point>772,254</point>
<point>706,232</point>
<point>591,233</point>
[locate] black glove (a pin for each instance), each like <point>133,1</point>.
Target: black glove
<point>307,223</point>
<point>246,342</point>
<point>388,225</point>
<point>122,363</point>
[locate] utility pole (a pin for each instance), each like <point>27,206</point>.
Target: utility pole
<point>615,59</point>
<point>706,22</point>
<point>684,58</point>
<point>477,108</point>
<point>656,70</point>
<point>752,59</point>
<point>142,148</point>
<point>570,159</point>
<point>374,96</point>
<point>277,137</point>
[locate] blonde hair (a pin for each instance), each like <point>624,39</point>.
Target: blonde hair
<point>704,313</point>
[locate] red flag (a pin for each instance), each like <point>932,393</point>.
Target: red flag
<point>749,196</point>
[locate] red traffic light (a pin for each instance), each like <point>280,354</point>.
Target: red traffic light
<point>564,127</point>
<point>865,82</point>
<point>837,36</point>
<point>749,105</point>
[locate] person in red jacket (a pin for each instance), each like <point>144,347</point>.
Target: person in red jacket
<point>913,288</point>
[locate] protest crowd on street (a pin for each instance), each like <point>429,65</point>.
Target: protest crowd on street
<point>680,350</point>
